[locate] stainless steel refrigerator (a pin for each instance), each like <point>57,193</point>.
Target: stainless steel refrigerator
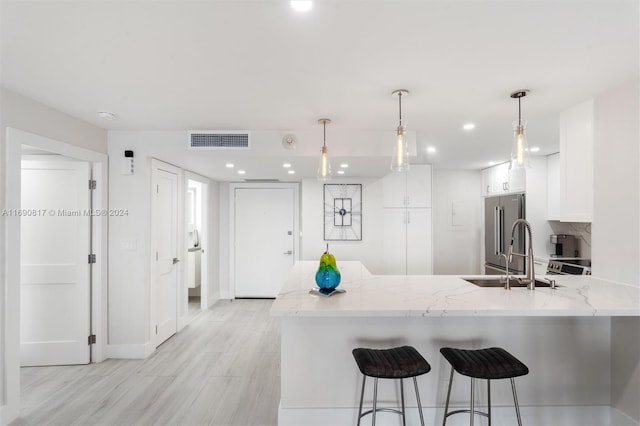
<point>499,215</point>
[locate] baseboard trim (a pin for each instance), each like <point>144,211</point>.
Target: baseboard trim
<point>130,351</point>
<point>500,416</point>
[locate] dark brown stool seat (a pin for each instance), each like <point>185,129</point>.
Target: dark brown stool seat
<point>396,363</point>
<point>489,364</point>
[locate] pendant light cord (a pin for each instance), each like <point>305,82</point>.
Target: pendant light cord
<point>400,107</point>
<point>519,112</point>
<point>324,134</point>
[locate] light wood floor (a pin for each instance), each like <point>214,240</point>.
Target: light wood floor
<point>221,369</point>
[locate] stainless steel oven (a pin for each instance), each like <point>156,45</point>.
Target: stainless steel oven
<point>569,267</point>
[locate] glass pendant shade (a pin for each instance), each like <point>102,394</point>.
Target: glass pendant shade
<point>519,148</point>
<point>324,166</point>
<point>400,158</point>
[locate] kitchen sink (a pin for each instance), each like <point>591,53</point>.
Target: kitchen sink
<point>499,283</point>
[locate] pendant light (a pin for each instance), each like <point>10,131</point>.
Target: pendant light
<point>519,149</point>
<point>400,159</point>
<point>324,167</point>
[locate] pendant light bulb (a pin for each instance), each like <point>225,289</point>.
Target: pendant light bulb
<point>519,148</point>
<point>400,159</point>
<point>324,166</point>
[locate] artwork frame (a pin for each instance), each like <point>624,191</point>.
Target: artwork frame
<point>342,211</point>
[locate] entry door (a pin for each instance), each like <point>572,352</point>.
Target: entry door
<point>55,271</point>
<point>165,234</point>
<point>264,225</point>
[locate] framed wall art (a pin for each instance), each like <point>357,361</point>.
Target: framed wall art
<point>342,212</point>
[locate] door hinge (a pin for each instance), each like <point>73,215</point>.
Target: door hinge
<point>92,184</point>
<point>92,339</point>
<point>156,329</point>
<point>92,258</point>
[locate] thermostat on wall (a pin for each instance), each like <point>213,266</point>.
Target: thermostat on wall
<point>127,163</point>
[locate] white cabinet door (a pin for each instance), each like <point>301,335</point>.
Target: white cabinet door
<point>419,242</point>
<point>517,182</point>
<point>487,182</point>
<point>408,189</point>
<point>419,186</point>
<point>395,241</point>
<point>394,190</point>
<point>500,181</point>
<point>576,163</point>
<point>553,187</point>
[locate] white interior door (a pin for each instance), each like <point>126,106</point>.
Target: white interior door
<point>264,240</point>
<point>164,225</point>
<point>55,272</point>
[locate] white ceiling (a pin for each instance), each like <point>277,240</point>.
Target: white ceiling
<point>261,66</point>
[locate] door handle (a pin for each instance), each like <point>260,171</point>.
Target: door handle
<point>288,252</point>
<point>175,260</point>
<point>496,231</point>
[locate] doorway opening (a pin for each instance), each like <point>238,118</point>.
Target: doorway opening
<point>197,212</point>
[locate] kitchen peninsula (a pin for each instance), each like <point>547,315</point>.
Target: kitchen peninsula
<point>564,336</point>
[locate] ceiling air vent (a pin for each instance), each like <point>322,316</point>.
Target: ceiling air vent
<point>223,139</point>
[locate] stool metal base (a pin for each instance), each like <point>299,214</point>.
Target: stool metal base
<point>375,408</point>
<point>472,412</point>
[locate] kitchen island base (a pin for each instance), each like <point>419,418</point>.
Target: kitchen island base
<point>569,359</point>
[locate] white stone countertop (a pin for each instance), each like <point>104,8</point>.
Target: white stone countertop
<point>448,295</point>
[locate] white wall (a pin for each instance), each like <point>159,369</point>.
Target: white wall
<point>456,243</point>
<point>616,215</point>
<point>22,113</point>
<point>129,282</point>
<point>369,250</point>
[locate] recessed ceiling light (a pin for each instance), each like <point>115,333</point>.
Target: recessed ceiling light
<point>535,148</point>
<point>431,149</point>
<point>291,172</point>
<point>286,165</point>
<point>107,115</point>
<point>241,172</point>
<point>229,165</point>
<point>344,165</point>
<point>469,126</point>
<point>340,172</point>
<point>301,5</point>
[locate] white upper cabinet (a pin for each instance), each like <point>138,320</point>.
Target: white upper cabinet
<point>576,163</point>
<point>410,189</point>
<point>499,180</point>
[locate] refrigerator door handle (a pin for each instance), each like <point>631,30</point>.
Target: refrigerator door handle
<point>496,231</point>
<point>501,214</point>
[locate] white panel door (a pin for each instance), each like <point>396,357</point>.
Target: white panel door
<point>264,225</point>
<point>55,273</point>
<point>165,234</point>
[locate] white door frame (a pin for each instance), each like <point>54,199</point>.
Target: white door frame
<point>158,164</point>
<point>204,242</point>
<point>15,139</point>
<point>232,222</point>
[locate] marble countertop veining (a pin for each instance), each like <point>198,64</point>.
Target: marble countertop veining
<point>448,295</point>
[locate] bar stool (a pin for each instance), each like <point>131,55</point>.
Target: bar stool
<point>396,363</point>
<point>490,364</point>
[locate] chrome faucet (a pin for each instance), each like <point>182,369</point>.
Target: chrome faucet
<point>507,284</point>
<point>531,278</point>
